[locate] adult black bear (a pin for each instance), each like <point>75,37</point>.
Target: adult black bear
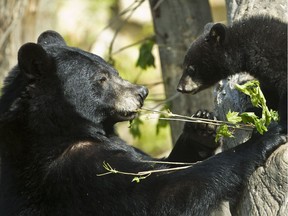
<point>257,45</point>
<point>57,112</point>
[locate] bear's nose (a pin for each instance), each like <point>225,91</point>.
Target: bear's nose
<point>142,92</point>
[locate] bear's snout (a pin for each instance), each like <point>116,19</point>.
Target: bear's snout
<point>143,93</point>
<point>187,85</point>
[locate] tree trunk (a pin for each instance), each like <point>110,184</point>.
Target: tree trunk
<point>267,190</point>
<point>18,24</point>
<point>176,25</point>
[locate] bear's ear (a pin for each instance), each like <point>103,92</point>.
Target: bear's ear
<point>208,27</point>
<point>217,33</point>
<point>33,60</point>
<point>51,37</point>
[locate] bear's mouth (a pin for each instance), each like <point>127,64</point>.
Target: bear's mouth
<point>128,108</point>
<point>192,89</point>
<point>126,115</point>
<point>187,85</point>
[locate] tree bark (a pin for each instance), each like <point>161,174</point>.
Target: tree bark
<point>17,25</point>
<point>267,190</point>
<point>176,25</point>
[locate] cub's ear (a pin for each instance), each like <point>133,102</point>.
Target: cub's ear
<point>33,60</point>
<point>51,37</point>
<point>217,33</point>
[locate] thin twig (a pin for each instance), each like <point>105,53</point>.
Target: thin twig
<point>133,44</point>
<point>205,122</point>
<point>168,162</point>
<point>171,98</point>
<point>122,13</point>
<point>176,117</point>
<point>123,23</point>
<point>158,4</point>
<point>141,173</point>
<point>164,170</point>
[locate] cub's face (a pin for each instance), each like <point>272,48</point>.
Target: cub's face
<point>87,83</point>
<point>204,63</point>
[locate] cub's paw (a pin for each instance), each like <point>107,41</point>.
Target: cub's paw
<point>203,132</point>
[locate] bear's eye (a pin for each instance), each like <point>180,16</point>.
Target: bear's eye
<point>102,79</point>
<point>191,68</point>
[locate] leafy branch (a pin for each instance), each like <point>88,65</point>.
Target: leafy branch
<point>169,116</point>
<point>253,90</point>
<point>143,174</point>
<point>235,121</point>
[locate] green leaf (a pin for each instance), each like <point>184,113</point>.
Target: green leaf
<point>248,117</point>
<point>137,179</point>
<point>274,115</point>
<point>146,58</point>
<point>135,127</point>
<point>233,117</point>
<point>260,126</point>
<point>252,89</point>
<point>223,131</point>
<point>161,123</point>
<point>251,118</point>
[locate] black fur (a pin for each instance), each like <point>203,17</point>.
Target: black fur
<point>57,112</point>
<point>197,142</point>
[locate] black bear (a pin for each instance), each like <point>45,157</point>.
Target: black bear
<point>257,45</point>
<point>57,112</point>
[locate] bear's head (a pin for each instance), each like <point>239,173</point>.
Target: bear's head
<point>54,83</point>
<point>205,60</point>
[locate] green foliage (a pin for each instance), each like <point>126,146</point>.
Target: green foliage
<point>162,123</point>
<point>135,124</point>
<point>233,117</point>
<point>134,127</point>
<point>150,142</point>
<point>146,58</point>
<point>252,89</point>
<point>249,117</point>
<point>223,131</point>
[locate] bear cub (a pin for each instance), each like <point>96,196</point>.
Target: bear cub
<point>257,45</point>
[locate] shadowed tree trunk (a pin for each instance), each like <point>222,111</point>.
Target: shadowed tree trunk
<point>267,190</point>
<point>176,25</point>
